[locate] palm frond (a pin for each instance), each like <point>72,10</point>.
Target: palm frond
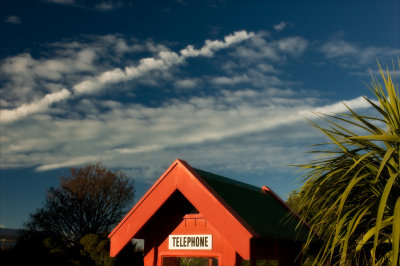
<point>351,195</point>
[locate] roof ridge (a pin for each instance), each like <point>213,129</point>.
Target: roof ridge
<point>262,200</point>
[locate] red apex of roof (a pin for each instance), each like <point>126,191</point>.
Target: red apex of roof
<point>180,176</point>
<point>238,211</point>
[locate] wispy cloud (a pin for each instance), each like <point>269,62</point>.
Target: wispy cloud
<point>339,107</point>
<point>63,2</point>
<point>128,131</point>
<point>293,45</point>
<point>38,106</point>
<point>280,26</point>
<point>162,62</point>
<point>13,20</point>
<point>187,83</point>
<point>77,160</point>
<point>26,78</point>
<point>260,48</point>
<point>338,49</point>
<point>243,115</point>
<point>103,6</point>
<point>349,54</point>
<point>108,5</point>
<point>232,80</point>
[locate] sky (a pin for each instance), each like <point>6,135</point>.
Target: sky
<point>227,86</point>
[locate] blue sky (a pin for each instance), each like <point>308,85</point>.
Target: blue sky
<point>225,85</point>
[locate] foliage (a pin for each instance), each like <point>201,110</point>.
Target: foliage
<point>97,248</point>
<point>72,226</point>
<point>351,195</point>
<point>37,248</point>
<point>90,201</point>
<point>312,250</point>
<point>130,255</point>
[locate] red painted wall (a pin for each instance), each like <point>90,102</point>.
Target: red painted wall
<point>195,224</point>
<point>172,219</point>
<point>167,209</point>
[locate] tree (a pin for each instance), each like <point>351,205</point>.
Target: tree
<point>90,201</point>
<point>97,248</point>
<point>353,190</point>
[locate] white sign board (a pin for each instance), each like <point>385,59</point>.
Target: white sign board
<point>190,242</point>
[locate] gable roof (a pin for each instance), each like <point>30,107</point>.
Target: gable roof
<point>260,208</point>
<point>249,211</point>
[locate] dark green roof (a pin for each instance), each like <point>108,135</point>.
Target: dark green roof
<point>259,209</point>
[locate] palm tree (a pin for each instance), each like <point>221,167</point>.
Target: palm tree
<point>353,189</point>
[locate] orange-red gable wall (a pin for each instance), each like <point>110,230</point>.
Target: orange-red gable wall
<point>196,225</point>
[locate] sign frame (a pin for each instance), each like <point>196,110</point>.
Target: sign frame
<point>190,242</point>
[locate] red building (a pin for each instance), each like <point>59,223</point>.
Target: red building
<point>190,215</point>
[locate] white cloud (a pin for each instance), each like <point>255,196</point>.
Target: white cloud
<point>108,5</point>
<point>280,26</point>
<point>211,46</point>
<point>353,55</point>
<point>339,107</point>
<point>260,48</point>
<point>26,79</point>
<point>244,118</point>
<point>266,68</point>
<point>24,69</point>
<point>78,160</point>
<point>41,105</point>
<point>293,45</point>
<point>13,20</point>
<point>102,6</point>
<point>230,80</point>
<point>187,83</point>
<point>338,49</point>
<point>127,134</point>
<point>163,61</point>
<point>63,2</point>
<point>113,44</point>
